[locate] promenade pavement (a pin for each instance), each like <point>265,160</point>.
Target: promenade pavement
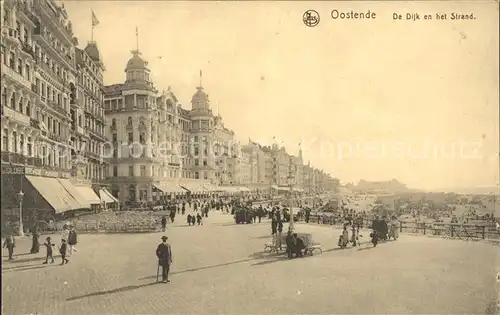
<point>219,268</point>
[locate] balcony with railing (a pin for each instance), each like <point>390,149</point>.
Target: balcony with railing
<point>11,35</point>
<point>93,155</point>
<point>28,49</point>
<point>49,71</point>
<point>58,108</point>
<point>47,14</point>
<point>13,75</point>
<point>25,12</point>
<point>16,158</point>
<point>16,116</point>
<point>54,137</point>
<point>46,43</point>
<point>97,134</point>
<point>81,131</point>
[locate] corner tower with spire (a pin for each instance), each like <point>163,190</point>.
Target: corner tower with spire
<point>200,100</point>
<point>137,70</point>
<point>133,120</point>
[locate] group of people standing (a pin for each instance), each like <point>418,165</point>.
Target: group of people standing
<point>67,247</point>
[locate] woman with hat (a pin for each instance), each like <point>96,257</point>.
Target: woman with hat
<point>164,254</point>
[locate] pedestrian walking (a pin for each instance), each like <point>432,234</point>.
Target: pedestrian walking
<point>163,223</point>
<point>164,255</point>
<point>72,241</point>
<point>172,215</point>
<point>65,232</point>
<point>10,244</point>
<point>62,250</point>
<point>35,244</point>
<point>48,245</point>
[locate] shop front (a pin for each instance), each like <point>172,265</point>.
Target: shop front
<point>35,194</point>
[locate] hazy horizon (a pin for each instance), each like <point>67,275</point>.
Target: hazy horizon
<point>372,100</point>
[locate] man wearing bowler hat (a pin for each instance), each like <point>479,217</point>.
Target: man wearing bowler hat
<point>164,254</point>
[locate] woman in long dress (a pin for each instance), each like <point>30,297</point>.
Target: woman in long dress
<point>35,246</point>
<point>394,228</point>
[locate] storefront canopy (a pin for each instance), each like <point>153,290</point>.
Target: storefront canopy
<point>106,196</point>
<point>169,188</point>
<point>59,197</point>
<point>88,194</point>
<point>194,188</point>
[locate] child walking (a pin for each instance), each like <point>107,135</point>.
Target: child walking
<point>63,250</point>
<point>48,246</point>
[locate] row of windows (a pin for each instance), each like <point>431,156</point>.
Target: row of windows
<point>18,143</point>
<point>88,81</point>
<point>49,93</point>
<point>137,75</point>
<point>91,66</point>
<point>48,64</point>
<point>16,102</point>
<point>172,173</point>
<point>90,104</point>
<point>16,64</point>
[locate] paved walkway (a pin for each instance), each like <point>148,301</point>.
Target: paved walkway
<point>219,268</point>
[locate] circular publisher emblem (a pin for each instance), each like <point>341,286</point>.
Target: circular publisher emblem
<point>311,18</point>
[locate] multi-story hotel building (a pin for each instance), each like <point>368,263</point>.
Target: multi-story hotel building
<point>87,116</point>
<point>39,76</point>
<point>132,127</point>
<point>186,148</point>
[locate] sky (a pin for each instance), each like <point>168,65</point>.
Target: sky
<point>367,99</point>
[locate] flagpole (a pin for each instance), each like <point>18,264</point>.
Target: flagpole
<point>92,32</point>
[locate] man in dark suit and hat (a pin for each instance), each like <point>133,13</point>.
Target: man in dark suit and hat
<point>164,254</point>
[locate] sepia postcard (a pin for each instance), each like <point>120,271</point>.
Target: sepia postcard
<point>250,157</point>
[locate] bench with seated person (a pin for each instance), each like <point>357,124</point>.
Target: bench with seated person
<point>306,244</point>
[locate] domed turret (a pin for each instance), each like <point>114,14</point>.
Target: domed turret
<point>137,69</point>
<point>136,62</point>
<point>200,99</point>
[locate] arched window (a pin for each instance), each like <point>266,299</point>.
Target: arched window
<point>130,121</point>
<point>5,140</point>
<point>28,109</point>
<point>113,123</point>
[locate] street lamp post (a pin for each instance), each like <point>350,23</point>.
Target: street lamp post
<point>291,226</point>
<point>20,196</point>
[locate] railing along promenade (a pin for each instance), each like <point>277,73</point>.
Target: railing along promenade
<point>481,231</point>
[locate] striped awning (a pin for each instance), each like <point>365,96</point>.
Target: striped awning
<point>56,195</point>
<point>88,194</point>
<point>106,196</point>
<point>170,187</point>
<point>193,187</point>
